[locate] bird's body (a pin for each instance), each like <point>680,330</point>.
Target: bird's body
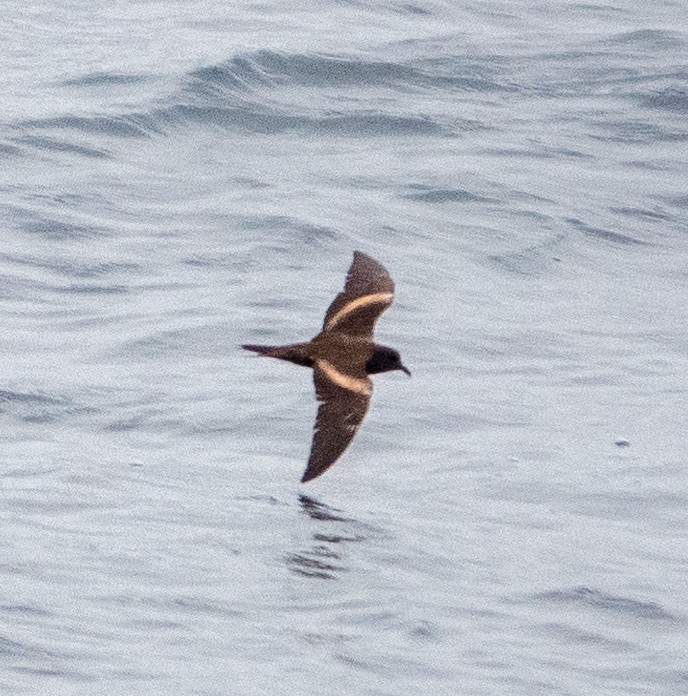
<point>342,356</point>
<point>353,353</point>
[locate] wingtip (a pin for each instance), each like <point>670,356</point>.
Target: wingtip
<point>308,476</point>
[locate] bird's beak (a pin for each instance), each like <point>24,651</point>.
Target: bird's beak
<point>405,369</point>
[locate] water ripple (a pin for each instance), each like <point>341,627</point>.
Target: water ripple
<point>104,79</point>
<point>604,234</point>
<point>587,597</point>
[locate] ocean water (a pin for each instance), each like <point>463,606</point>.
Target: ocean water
<point>179,178</point>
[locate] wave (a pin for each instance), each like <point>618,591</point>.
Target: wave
<point>655,39</point>
<point>273,92</point>
<point>50,227</point>
<point>246,94</point>
<point>273,68</point>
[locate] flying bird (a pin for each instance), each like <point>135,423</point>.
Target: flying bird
<point>342,357</point>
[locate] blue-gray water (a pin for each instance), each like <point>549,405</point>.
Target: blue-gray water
<point>178,178</point>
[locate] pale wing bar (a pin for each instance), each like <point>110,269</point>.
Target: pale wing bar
<point>360,385</point>
<point>382,299</point>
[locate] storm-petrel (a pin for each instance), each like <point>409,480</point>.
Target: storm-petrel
<point>342,356</point>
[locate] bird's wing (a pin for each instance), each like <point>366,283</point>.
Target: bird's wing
<point>368,291</point>
<point>344,400</point>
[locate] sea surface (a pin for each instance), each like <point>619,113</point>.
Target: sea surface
<point>177,178</point>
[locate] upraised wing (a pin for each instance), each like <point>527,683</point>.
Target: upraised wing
<point>368,291</point>
<point>344,400</point>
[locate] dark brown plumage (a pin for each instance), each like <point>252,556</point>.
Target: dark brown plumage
<point>342,356</point>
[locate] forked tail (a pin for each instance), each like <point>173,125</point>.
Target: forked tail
<point>296,353</point>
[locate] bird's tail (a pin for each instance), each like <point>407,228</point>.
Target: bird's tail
<point>296,353</point>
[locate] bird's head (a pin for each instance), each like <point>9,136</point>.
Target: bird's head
<point>385,359</point>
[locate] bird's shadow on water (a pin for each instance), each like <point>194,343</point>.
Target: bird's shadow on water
<point>325,557</point>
